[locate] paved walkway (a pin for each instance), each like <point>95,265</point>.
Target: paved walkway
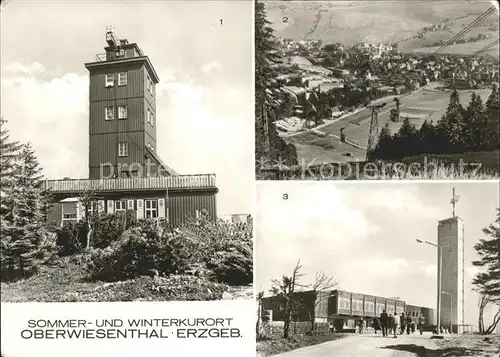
<point>368,345</point>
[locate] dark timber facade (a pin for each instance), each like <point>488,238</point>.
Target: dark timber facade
<point>125,171</point>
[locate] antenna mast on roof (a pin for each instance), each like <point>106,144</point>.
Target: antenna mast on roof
<point>454,200</point>
<point>111,38</point>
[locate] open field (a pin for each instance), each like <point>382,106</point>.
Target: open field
<point>427,104</point>
<point>463,48</point>
<point>488,26</point>
<point>376,21</point>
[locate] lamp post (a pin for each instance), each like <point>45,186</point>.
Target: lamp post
<point>451,309</point>
<point>440,268</point>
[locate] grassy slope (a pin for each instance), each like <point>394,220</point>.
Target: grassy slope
<point>66,282</point>
<point>471,345</point>
<point>373,21</point>
<point>431,102</point>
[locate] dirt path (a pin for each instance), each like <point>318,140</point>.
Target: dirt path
<point>369,345</point>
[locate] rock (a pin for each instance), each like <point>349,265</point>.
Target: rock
<point>227,296</point>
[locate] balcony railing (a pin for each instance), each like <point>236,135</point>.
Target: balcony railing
<point>132,183</point>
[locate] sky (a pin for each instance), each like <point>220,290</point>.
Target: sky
<point>364,234</point>
<point>204,100</point>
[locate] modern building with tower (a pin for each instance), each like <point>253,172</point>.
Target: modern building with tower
<point>125,171</point>
<point>343,309</point>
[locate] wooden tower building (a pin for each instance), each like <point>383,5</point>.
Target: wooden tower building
<point>125,171</point>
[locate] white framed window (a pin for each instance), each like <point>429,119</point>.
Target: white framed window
<point>369,306</point>
<point>69,212</point>
<point>122,112</point>
<point>109,113</point>
<point>122,78</point>
<point>93,208</point>
<point>122,149</point>
<point>151,87</point>
<point>152,122</point>
<point>149,116</point>
<point>344,303</point>
<point>151,208</point>
<point>357,305</point>
<point>109,80</point>
<point>148,84</point>
<point>120,206</point>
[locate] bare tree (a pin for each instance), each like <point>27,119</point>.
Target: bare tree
<point>286,288</point>
<point>260,296</point>
<point>484,302</point>
<point>88,199</point>
<point>322,284</point>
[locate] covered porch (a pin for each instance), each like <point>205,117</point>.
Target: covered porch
<point>171,198</point>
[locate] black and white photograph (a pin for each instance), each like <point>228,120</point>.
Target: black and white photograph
<point>378,269</point>
<point>380,90</point>
<point>127,151</point>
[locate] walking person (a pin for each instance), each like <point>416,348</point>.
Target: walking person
<point>390,324</point>
<point>421,322</point>
<point>408,324</point>
<point>395,325</point>
<point>376,324</point>
<point>384,321</point>
<point>402,322</point>
<point>360,324</point>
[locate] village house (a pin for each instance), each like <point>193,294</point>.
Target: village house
<point>125,171</point>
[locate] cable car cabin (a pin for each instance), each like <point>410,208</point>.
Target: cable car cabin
<point>174,199</point>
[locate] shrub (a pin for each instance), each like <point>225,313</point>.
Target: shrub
<point>109,228</point>
<point>71,238</point>
<point>140,251</point>
<point>225,248</point>
<point>210,249</point>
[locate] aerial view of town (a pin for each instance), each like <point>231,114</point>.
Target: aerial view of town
<point>343,82</point>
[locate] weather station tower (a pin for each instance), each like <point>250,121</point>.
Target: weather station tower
<point>451,241</point>
<point>122,112</point>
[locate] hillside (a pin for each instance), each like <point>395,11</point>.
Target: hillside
<point>376,21</point>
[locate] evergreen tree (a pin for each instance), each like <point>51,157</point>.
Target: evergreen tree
<point>9,151</point>
<point>24,240</point>
<point>267,99</point>
<point>451,126</point>
<point>475,124</point>
<point>488,249</point>
<point>493,120</point>
<point>406,140</point>
<point>428,138</point>
<point>384,148</point>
